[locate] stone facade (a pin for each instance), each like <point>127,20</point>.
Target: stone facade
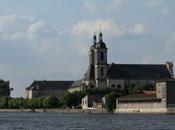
<point>47,88</point>
<point>164,100</point>
<point>100,74</point>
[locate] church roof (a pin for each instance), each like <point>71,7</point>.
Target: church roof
<point>90,73</point>
<point>76,83</point>
<point>101,45</point>
<point>49,85</point>
<point>138,71</point>
<point>92,48</point>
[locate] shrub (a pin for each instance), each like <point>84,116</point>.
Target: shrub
<point>110,100</point>
<point>51,102</point>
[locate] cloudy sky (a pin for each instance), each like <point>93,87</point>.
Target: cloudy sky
<point>49,39</point>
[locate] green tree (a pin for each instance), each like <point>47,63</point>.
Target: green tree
<point>51,102</point>
<point>110,100</point>
<point>21,102</point>
<point>13,103</point>
<point>138,89</point>
<point>3,102</point>
<point>73,99</point>
<point>40,101</point>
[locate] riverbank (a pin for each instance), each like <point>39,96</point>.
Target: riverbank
<point>144,111</point>
<point>57,110</point>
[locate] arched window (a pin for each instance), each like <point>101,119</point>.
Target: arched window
<point>102,56</point>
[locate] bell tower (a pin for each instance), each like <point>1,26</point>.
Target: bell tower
<point>91,51</point>
<point>100,57</point>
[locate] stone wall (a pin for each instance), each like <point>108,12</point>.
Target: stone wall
<point>139,105</point>
<point>38,93</point>
<point>143,110</point>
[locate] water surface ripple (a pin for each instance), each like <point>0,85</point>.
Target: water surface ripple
<point>69,121</point>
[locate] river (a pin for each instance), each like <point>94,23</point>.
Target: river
<point>84,121</point>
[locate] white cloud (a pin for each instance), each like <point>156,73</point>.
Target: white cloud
<point>159,5</point>
<point>12,25</point>
<point>17,36</point>
<point>92,6</point>
<point>139,28</point>
<point>40,29</point>
<point>109,27</point>
<point>30,31</point>
<point>89,27</point>
<point>170,45</point>
<point>42,51</point>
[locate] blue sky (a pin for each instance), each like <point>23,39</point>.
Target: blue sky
<point>49,39</point>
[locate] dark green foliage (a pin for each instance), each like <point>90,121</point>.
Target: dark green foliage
<point>73,99</point>
<point>40,101</point>
<point>3,102</point>
<point>50,102</point>
<point>138,88</point>
<point>110,100</point>
<point>13,103</point>
<point>32,103</point>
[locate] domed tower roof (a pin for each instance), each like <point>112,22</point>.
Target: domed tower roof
<point>92,48</point>
<point>94,43</point>
<point>100,43</point>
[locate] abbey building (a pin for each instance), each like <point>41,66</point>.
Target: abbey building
<point>102,74</point>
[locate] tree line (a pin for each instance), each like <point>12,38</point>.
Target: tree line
<point>69,100</point>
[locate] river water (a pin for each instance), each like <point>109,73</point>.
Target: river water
<point>83,121</point>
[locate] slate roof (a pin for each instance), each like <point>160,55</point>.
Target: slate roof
<point>139,97</point>
<point>101,44</point>
<point>92,48</point>
<point>138,71</point>
<point>76,83</point>
<point>49,85</point>
<point>90,73</point>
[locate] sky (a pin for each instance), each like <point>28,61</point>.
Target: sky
<point>50,39</point>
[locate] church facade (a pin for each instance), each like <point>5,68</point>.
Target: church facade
<point>101,74</point>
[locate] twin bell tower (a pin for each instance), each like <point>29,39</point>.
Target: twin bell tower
<point>98,59</point>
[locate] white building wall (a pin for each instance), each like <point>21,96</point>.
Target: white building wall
<point>138,105</point>
<point>84,102</point>
<point>73,89</point>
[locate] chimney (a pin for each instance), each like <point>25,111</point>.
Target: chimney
<point>169,66</point>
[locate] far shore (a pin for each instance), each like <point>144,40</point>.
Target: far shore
<point>78,111</point>
<point>56,110</point>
